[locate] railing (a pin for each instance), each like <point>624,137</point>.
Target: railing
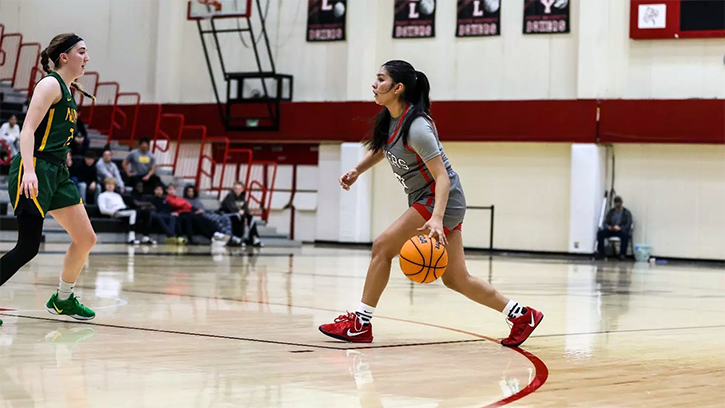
<point>245,160</point>
<point>106,110</point>
<point>2,53</point>
<point>10,66</point>
<point>36,74</point>
<point>213,164</point>
<point>9,151</point>
<point>28,60</point>
<point>260,193</point>
<point>159,133</point>
<point>119,113</point>
<point>90,81</point>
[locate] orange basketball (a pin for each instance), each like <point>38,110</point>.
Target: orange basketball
<point>423,259</point>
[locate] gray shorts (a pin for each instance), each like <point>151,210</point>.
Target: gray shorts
<point>455,209</point>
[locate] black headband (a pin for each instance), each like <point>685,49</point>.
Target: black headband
<point>64,48</point>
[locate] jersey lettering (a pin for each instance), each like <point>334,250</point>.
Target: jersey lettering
<point>71,116</point>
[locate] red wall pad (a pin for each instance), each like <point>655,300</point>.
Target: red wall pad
<point>520,121</point>
<point>690,121</point>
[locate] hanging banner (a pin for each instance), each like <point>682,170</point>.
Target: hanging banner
<point>478,18</point>
<point>414,19</point>
<point>326,20</point>
<point>546,16</point>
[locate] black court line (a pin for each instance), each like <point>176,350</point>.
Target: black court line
<point>432,343</point>
<point>183,333</point>
<point>629,331</point>
<point>196,254</point>
<point>249,339</point>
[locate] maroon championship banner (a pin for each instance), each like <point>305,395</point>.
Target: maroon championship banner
<point>414,19</point>
<point>546,16</point>
<point>326,20</point>
<point>478,18</point>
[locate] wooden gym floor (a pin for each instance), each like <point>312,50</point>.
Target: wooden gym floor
<point>190,328</point>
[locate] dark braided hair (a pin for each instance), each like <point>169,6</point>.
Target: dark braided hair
<point>416,93</point>
<point>45,61</point>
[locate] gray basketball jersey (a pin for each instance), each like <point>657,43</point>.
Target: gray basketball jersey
<point>408,164</point>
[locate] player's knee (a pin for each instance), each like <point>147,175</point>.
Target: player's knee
<point>383,247</point>
<point>28,251</point>
<point>456,281</point>
<point>87,241</point>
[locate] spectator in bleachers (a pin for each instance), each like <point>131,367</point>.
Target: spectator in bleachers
<point>163,215</point>
<point>10,134</point>
<point>617,223</point>
<point>235,207</point>
<point>84,175</point>
<point>223,223</point>
<point>79,147</point>
<point>111,203</point>
<point>106,168</point>
<point>140,165</point>
<point>190,218</point>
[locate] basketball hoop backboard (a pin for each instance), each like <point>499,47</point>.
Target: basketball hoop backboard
<point>204,9</point>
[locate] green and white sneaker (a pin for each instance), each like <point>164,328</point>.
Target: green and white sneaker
<point>1,322</point>
<point>71,307</point>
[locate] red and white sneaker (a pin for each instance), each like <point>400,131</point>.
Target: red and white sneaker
<point>523,327</point>
<point>349,327</point>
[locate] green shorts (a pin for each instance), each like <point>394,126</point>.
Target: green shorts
<point>55,188</point>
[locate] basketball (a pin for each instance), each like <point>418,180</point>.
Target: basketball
<point>423,259</point>
<point>427,7</point>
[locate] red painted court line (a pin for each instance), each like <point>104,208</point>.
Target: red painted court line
<point>542,371</point>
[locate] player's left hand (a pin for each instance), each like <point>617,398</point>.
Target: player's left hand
<point>434,226</point>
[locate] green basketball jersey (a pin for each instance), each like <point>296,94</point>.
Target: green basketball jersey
<point>55,133</point>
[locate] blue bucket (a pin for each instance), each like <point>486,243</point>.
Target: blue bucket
<point>642,252</point>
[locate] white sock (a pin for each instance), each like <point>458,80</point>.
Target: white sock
<point>131,236</point>
<point>365,313</point>
<point>513,310</point>
<point>65,289</point>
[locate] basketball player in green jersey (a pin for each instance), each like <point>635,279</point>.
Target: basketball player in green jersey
<point>39,180</point>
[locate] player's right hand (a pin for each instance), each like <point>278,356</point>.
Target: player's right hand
<point>348,179</point>
<point>29,185</point>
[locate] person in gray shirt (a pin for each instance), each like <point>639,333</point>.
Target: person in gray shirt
<point>406,136</point>
<point>617,223</point>
<point>140,165</point>
<point>106,168</point>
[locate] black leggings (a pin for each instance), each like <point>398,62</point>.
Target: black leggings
<point>30,232</point>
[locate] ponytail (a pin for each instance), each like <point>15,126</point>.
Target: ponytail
<point>44,60</point>
<point>422,92</point>
<point>78,87</point>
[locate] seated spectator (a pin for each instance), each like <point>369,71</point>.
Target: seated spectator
<point>84,175</point>
<point>235,206</point>
<point>140,165</point>
<point>79,147</point>
<point>163,214</point>
<point>106,168</point>
<point>10,134</point>
<point>617,223</point>
<point>223,224</point>
<point>111,203</point>
<point>190,218</point>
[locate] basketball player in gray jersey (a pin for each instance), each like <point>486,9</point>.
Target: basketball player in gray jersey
<point>406,136</point>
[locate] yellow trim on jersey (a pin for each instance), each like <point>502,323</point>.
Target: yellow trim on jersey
<point>47,129</point>
<point>37,204</point>
<point>35,197</point>
<point>20,178</point>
